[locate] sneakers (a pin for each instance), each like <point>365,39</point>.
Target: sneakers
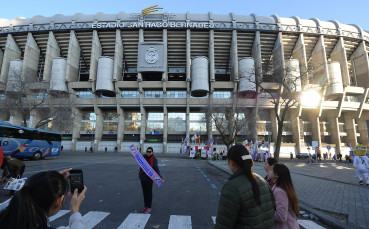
<point>367,185</point>
<point>147,210</point>
<point>361,182</point>
<point>143,210</point>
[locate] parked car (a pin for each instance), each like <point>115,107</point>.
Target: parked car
<point>302,156</point>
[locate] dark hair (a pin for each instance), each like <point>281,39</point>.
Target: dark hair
<point>235,154</point>
<point>29,208</point>
<point>150,148</point>
<point>284,181</point>
<point>272,161</point>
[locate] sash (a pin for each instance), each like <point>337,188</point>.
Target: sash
<point>150,172</point>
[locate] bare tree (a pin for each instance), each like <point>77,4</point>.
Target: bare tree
<point>228,118</point>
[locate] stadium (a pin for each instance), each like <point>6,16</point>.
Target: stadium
<point>147,79</point>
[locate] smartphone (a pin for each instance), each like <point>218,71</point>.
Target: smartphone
<point>76,180</point>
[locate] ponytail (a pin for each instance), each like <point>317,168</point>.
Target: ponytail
<point>235,154</point>
<point>29,207</point>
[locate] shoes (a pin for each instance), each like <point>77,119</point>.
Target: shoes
<point>147,210</point>
<point>367,185</point>
<point>143,210</point>
<point>361,182</point>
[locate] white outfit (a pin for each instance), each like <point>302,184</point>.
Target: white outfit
<point>75,220</point>
<point>361,163</point>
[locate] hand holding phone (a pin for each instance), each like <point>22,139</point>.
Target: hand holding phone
<point>76,180</point>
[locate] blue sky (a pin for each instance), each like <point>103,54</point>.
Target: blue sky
<point>345,12</point>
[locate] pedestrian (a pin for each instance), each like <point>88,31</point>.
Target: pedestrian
<point>291,156</point>
<point>106,149</point>
<point>42,196</point>
<point>14,168</point>
<point>61,148</point>
<point>246,200</point>
<point>146,182</point>
<point>85,149</point>
<point>91,149</point>
<point>286,201</point>
<point>268,166</point>
<point>116,149</point>
<point>347,159</point>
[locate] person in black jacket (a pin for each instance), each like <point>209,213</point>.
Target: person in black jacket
<point>146,182</point>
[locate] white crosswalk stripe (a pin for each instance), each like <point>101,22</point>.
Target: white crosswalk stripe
<point>59,214</point>
<point>180,222</point>
<point>308,224</point>
<point>92,218</point>
<point>139,220</point>
<point>135,220</point>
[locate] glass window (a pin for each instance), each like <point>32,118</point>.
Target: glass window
<point>176,122</point>
<point>197,116</point>
<point>88,116</point>
<point>132,121</point>
<point>40,95</point>
<point>132,116</point>
<point>130,94</point>
<point>84,94</point>
<point>287,126</point>
<point>155,116</point>
<point>352,98</point>
<point>2,96</point>
<point>110,126</point>
<point>177,116</point>
<point>88,126</point>
<point>111,116</point>
<point>153,94</point>
<point>176,94</point>
<point>197,127</point>
<point>154,126</point>
<point>222,94</point>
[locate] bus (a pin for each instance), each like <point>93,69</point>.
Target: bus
<point>24,142</point>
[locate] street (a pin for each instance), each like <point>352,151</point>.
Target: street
<point>188,198</point>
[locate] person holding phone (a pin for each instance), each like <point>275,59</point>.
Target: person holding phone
<point>42,196</point>
<point>146,182</point>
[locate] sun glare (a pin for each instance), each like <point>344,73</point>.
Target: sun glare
<point>310,98</point>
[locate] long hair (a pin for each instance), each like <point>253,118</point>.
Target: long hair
<point>235,154</point>
<point>284,181</point>
<point>272,161</point>
<point>28,209</point>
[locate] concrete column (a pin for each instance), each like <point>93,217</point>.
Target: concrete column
<point>143,117</point>
<point>339,54</point>
<point>299,53</point>
<point>1,57</point>
<point>16,118</point>
<point>296,130</point>
<point>234,56</point>
<point>11,52</point>
<point>165,123</point>
<point>350,128</point>
<point>363,129</point>
<point>360,61</point>
<point>30,60</point>
<point>315,126</point>
<point>76,127</point>
<point>74,52</point>
<point>188,109</point>
<point>52,51</point>
<point>140,39</point>
<point>120,134</point>
<point>208,118</point>
<point>211,56</point>
<point>319,61</point>
<point>165,40</point>
<point>99,127</point>
<point>188,55</point>
<point>274,121</point>
<point>35,117</point>
<point>335,133</point>
<point>278,59</point>
<point>256,54</point>
<point>118,56</point>
<point>96,52</point>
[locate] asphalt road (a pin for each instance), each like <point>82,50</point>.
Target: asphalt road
<point>190,194</point>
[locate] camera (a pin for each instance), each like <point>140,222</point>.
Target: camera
<point>76,180</point>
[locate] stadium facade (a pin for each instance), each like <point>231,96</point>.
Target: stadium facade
<point>146,79</point>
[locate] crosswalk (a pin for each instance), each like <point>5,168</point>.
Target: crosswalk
<point>139,220</point>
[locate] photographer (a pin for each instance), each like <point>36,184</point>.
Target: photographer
<point>42,196</point>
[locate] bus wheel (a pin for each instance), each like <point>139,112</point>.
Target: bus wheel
<point>37,155</point>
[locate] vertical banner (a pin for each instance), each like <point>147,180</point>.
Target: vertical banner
<point>150,172</point>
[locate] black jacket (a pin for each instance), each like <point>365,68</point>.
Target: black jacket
<point>143,176</point>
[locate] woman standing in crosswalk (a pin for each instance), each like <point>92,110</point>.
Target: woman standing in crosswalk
<point>42,196</point>
<point>146,182</point>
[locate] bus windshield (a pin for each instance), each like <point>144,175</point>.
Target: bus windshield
<point>25,142</point>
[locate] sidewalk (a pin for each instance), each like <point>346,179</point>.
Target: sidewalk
<point>328,190</point>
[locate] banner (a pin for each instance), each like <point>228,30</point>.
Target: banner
<point>145,166</point>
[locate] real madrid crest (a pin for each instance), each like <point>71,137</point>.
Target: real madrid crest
<point>151,55</point>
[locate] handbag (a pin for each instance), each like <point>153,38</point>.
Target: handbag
<point>15,183</point>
